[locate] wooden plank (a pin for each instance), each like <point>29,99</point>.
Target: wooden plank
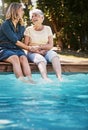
<point>66,67</point>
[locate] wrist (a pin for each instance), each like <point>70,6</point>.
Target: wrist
<point>28,48</point>
<point>41,47</point>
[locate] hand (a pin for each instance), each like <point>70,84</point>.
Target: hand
<point>33,48</point>
<point>42,52</point>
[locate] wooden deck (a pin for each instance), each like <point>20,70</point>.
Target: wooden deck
<point>67,66</point>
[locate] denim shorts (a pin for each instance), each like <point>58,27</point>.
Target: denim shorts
<point>36,58</point>
<point>6,53</point>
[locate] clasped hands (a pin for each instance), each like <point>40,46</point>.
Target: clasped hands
<point>37,49</point>
<point>34,48</point>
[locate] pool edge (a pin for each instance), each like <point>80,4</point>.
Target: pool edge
<point>66,67</point>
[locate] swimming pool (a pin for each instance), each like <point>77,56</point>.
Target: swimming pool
<point>44,106</point>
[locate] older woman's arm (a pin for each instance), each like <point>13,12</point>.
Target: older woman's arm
<point>27,40</point>
<point>49,45</point>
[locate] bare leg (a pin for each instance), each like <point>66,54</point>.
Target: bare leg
<point>26,68</point>
<point>57,67</point>
<point>14,60</point>
<point>43,70</point>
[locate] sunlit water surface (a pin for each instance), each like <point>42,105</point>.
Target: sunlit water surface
<point>44,106</point>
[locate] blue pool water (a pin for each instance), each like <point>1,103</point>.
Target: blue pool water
<point>44,106</point>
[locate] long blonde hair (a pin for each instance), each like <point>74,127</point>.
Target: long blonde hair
<point>12,11</point>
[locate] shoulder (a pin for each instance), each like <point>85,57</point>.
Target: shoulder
<point>29,28</point>
<point>47,27</point>
<point>6,22</point>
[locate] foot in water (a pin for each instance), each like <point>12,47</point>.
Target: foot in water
<point>60,79</point>
<point>48,80</point>
<point>28,80</point>
<point>31,81</point>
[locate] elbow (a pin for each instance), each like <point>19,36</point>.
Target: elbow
<point>50,47</point>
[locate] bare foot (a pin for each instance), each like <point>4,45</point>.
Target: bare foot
<point>23,79</point>
<point>60,78</point>
<point>29,80</point>
<point>48,80</point>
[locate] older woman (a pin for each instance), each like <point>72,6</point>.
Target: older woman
<point>40,38</point>
<point>11,33</point>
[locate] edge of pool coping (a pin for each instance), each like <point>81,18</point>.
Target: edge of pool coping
<point>67,66</point>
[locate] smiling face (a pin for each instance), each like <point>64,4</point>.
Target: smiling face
<point>37,19</point>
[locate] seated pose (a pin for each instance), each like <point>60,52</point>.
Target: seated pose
<point>11,33</point>
<point>40,38</point>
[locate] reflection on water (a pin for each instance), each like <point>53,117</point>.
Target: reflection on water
<point>56,105</point>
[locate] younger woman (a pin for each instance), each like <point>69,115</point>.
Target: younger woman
<point>11,33</point>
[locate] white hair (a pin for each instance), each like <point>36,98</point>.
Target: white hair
<point>36,11</point>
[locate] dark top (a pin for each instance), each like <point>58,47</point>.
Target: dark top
<point>9,35</point>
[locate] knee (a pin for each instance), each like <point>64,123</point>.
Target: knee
<point>51,55</point>
<point>23,58</point>
<point>42,60</point>
<point>55,57</point>
<point>14,59</point>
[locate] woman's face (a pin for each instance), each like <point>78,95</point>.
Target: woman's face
<point>37,19</point>
<point>20,12</point>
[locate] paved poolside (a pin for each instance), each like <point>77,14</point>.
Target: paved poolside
<point>74,64</point>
